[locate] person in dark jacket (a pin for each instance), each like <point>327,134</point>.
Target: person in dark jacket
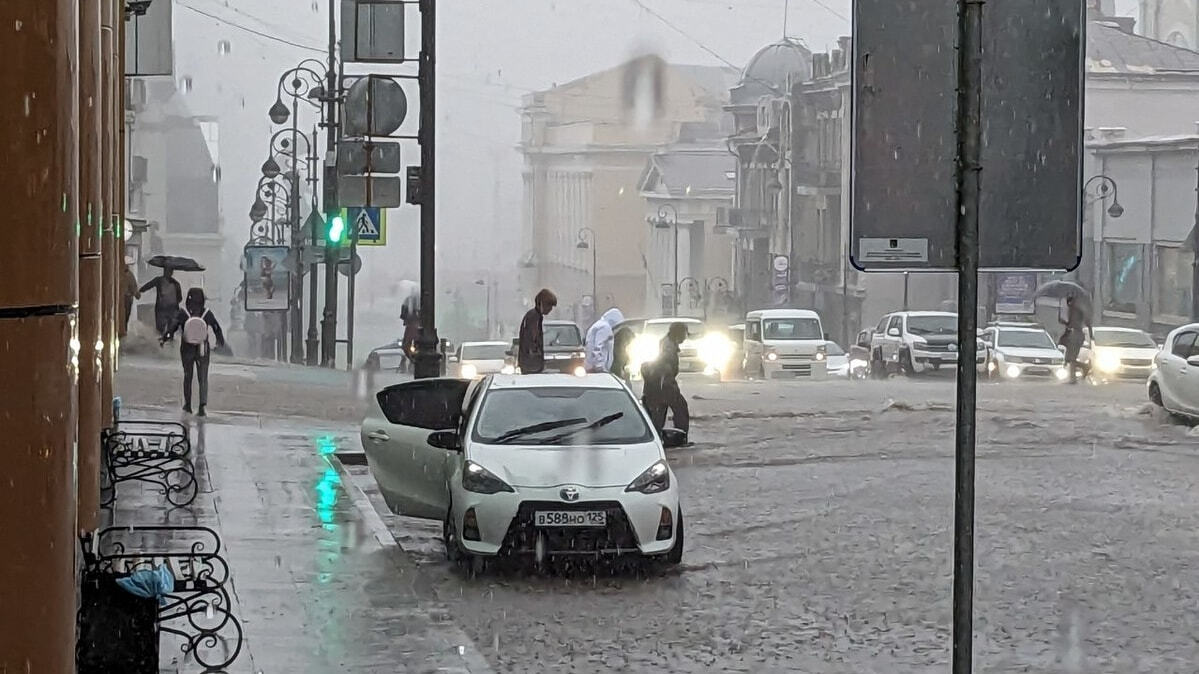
<point>1073,338</point>
<point>530,356</point>
<point>198,326</point>
<point>167,296</point>
<point>621,342</point>
<point>661,392</point>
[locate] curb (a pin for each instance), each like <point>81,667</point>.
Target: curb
<point>473,661</point>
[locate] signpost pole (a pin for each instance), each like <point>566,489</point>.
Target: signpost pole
<point>969,149</point>
<point>428,359</point>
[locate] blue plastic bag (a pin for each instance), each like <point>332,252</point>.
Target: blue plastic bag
<point>153,583</point>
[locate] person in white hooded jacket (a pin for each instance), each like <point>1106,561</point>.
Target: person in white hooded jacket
<point>598,343</point>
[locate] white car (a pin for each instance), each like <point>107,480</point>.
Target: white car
<point>838,361</point>
<point>1120,353</point>
<point>1174,385</point>
<point>1015,351</point>
<point>476,359</point>
<point>915,341</point>
<point>526,466</point>
<point>704,351</point>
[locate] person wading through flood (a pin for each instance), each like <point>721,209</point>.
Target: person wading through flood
<point>530,355</point>
<point>661,392</point>
<point>168,294</point>
<point>600,342</point>
<point>1073,338</point>
<point>198,326</point>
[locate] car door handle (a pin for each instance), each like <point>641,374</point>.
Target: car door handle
<point>378,436</point>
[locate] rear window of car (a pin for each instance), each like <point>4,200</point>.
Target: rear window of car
<point>561,335</point>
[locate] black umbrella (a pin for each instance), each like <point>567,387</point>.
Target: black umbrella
<point>176,262</point>
<point>1061,290</point>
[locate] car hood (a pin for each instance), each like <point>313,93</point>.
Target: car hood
<point>1031,353</point>
<point>484,366</point>
<point>935,340</point>
<point>540,466</point>
<point>787,347</point>
<point>1145,353</point>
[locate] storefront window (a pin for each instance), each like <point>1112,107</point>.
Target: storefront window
<point>1123,277</point>
<point>1172,281</point>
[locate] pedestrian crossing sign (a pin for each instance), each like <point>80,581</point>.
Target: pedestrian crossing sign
<point>368,225</point>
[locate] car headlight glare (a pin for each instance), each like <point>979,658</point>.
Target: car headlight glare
<point>819,355</point>
<point>654,480</point>
<point>715,350</point>
<point>772,356</point>
<point>477,479</point>
<point>1107,361</point>
<point>1062,373</point>
<point>580,371</point>
<point>468,371</point>
<point>643,350</point>
<point>1012,371</point>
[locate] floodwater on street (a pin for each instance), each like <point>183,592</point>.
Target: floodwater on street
<point>819,538</point>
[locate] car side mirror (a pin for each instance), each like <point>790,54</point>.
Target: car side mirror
<point>1193,361</point>
<point>452,359</point>
<point>826,337</point>
<point>893,332</point>
<point>445,440</point>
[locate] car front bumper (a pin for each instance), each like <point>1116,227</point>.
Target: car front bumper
<point>506,522</point>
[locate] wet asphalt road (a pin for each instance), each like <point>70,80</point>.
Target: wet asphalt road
<point>819,533</point>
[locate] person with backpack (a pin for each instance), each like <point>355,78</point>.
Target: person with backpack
<point>197,325</point>
<point>661,393</point>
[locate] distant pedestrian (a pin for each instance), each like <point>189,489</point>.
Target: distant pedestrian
<point>129,292</point>
<point>1074,337</point>
<point>530,357</point>
<point>621,341</point>
<point>198,327</point>
<point>598,345</point>
<point>661,393</point>
<point>168,295</point>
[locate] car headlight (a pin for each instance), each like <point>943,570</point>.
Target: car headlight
<point>1107,361</point>
<point>507,369</point>
<point>468,371</point>
<point>477,479</point>
<point>580,371</point>
<point>1062,374</point>
<point>715,350</point>
<point>772,356</point>
<point>819,355</point>
<point>1012,371</point>
<point>655,479</point>
<point>643,350</point>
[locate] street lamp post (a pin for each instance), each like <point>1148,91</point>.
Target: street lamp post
<point>673,223</point>
<point>587,240</point>
<point>1102,187</point>
<point>305,82</point>
<point>280,145</point>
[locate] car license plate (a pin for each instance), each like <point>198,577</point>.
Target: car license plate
<point>571,518</point>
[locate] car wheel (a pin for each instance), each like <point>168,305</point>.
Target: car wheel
<point>877,366</point>
<point>675,556</point>
<point>449,536</point>
<point>1155,395</point>
<point>905,363</point>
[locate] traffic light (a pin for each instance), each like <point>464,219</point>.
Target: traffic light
<point>337,230</point>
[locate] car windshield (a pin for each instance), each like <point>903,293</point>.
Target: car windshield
<point>1026,339</point>
<point>560,416</point>
<point>659,329</point>
<point>791,328</point>
<point>1132,339</point>
<point>484,351</point>
<point>562,335</point>
<point>933,325</point>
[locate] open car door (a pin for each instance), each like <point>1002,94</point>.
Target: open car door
<point>410,472</point>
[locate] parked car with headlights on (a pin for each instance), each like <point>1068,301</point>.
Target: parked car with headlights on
<point>526,467</point>
<point>704,351</point>
<point>476,359</point>
<point>1022,350</point>
<point>1119,353</point>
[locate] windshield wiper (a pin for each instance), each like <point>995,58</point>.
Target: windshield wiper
<point>598,423</point>
<point>537,428</point>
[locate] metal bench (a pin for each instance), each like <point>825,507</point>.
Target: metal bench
<point>198,610</point>
<point>155,452</point>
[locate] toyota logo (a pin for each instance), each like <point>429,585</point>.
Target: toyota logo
<point>569,494</point>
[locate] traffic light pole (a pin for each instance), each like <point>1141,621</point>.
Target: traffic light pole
<point>428,358</point>
<point>332,209</point>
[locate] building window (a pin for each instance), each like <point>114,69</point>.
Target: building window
<point>1177,39</point>
<point>1123,277</point>
<point>1172,281</point>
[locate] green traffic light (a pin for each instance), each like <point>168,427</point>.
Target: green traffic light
<point>337,229</point>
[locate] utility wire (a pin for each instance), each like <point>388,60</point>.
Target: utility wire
<point>268,36</point>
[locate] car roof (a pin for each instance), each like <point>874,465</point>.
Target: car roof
<point>515,381</point>
<point>489,343</point>
<point>668,319</point>
<point>783,313</point>
<point>1020,328</point>
<point>1110,328</point>
<point>922,313</point>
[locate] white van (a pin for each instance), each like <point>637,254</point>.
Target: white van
<point>782,343</point>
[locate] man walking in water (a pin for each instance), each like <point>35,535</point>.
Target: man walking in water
<point>168,295</point>
<point>1073,338</point>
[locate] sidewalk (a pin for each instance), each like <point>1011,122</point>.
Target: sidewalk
<point>319,585</point>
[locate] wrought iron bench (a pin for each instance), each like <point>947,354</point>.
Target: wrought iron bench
<point>155,452</point>
<point>198,610</point>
